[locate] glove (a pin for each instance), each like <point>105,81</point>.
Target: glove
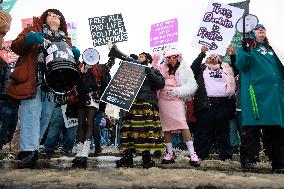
<point>76,53</point>
<point>147,70</point>
<point>246,43</point>
<point>34,37</point>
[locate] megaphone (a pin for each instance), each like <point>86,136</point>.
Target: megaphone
<point>115,52</point>
<point>247,23</point>
<point>91,56</point>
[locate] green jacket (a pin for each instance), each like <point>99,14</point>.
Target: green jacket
<point>265,73</point>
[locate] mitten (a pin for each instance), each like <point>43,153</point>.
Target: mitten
<point>34,37</point>
<point>76,53</point>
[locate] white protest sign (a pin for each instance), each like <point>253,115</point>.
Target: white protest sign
<point>217,27</point>
<point>69,122</point>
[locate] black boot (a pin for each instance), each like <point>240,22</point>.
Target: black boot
<point>98,149</point>
<point>80,162</point>
<point>147,162</point>
<point>76,162</point>
<point>29,160</point>
<point>247,165</point>
<point>126,160</point>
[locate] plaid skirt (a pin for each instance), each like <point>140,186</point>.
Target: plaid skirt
<point>141,128</point>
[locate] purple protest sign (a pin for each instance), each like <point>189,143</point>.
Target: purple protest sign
<point>164,33</point>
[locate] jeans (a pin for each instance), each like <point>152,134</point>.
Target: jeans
<point>118,127</point>
<point>105,136</point>
<point>235,130</point>
<point>97,129</point>
<point>35,115</point>
<point>8,123</point>
<point>57,126</point>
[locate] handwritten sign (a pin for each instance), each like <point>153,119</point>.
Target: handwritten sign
<point>164,33</point>
<point>217,27</point>
<point>125,85</point>
<point>8,55</point>
<point>107,28</point>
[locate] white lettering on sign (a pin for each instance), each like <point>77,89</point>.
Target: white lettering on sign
<point>62,54</point>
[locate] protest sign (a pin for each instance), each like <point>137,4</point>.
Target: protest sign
<point>125,85</point>
<point>107,28</point>
<point>217,27</point>
<point>27,22</point>
<point>238,37</point>
<point>8,55</point>
<point>7,5</point>
<point>69,122</point>
<point>164,33</point>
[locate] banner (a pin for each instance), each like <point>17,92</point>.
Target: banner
<point>27,22</point>
<point>7,5</point>
<point>107,28</point>
<point>164,33</point>
<point>8,55</point>
<point>238,37</point>
<point>125,85</point>
<point>217,27</point>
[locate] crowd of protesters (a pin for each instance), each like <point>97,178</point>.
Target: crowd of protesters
<point>204,107</point>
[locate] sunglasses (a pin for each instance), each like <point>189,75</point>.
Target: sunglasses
<point>172,57</point>
<point>53,15</point>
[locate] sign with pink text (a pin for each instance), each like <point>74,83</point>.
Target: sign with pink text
<point>163,33</point>
<point>217,27</point>
<point>27,22</point>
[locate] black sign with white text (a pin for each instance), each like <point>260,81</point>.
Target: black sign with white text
<point>125,85</point>
<point>107,28</point>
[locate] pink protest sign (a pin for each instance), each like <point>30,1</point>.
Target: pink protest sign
<point>27,22</point>
<point>7,54</point>
<point>164,33</point>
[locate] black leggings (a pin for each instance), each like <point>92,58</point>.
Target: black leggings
<point>85,123</point>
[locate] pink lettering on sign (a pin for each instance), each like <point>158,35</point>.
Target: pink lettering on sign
<point>164,33</point>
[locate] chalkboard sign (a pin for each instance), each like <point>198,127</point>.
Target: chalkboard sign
<point>107,28</point>
<point>125,85</point>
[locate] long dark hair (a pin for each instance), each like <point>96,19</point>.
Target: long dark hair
<point>173,69</point>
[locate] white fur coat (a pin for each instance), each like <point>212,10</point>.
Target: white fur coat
<point>184,77</point>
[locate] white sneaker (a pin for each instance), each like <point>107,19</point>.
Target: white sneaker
<point>86,148</point>
<point>79,149</point>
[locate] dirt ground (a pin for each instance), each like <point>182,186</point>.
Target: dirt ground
<point>101,173</point>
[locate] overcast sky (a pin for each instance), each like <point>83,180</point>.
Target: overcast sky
<point>138,16</point>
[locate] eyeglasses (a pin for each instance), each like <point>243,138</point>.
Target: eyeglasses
<point>53,15</point>
<point>172,57</point>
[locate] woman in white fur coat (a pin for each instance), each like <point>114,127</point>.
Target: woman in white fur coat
<point>180,85</point>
